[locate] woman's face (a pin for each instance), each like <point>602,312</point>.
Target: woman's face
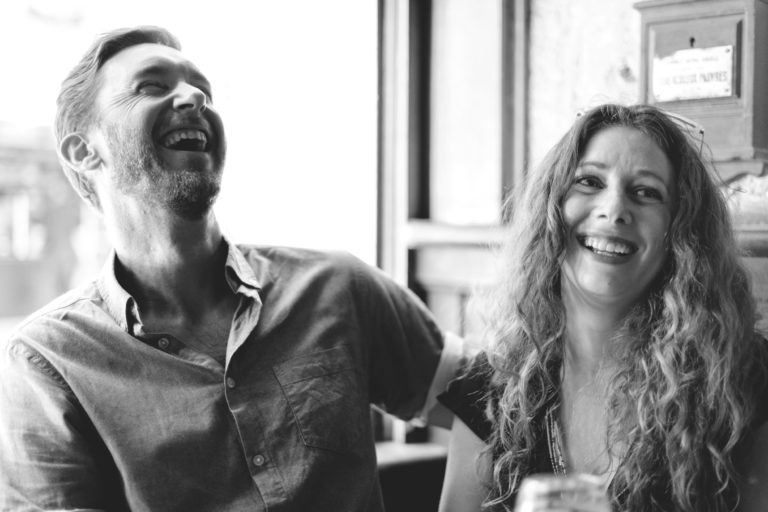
<point>617,209</point>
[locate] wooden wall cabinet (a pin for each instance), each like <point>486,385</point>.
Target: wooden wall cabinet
<point>708,60</point>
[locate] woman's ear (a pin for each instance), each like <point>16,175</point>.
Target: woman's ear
<point>82,159</point>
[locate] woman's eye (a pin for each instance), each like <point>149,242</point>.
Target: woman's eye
<point>649,193</point>
<point>588,181</point>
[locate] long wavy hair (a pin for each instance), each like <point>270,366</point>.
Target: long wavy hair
<point>691,368</point>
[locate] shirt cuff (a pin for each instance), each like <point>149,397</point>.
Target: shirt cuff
<point>452,360</point>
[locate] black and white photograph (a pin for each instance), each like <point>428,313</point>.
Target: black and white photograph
<point>384,256</point>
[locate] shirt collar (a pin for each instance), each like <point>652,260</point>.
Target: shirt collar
<point>239,273</point>
<point>118,302</point>
<point>123,307</point>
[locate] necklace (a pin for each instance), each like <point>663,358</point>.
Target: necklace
<point>555,442</point>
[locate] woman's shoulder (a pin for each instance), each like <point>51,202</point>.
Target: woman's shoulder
<point>468,395</point>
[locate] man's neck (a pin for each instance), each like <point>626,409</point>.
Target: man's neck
<point>173,267</point>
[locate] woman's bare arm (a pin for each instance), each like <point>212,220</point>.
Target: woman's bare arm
<point>467,473</point>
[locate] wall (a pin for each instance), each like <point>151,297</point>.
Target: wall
<point>582,54</point>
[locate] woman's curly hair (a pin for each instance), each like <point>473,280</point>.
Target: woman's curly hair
<point>691,365</point>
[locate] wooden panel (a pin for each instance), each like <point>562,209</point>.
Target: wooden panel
<point>454,267</point>
<point>758,267</point>
<point>411,475</point>
<point>451,274</point>
<point>759,27</point>
<point>736,126</point>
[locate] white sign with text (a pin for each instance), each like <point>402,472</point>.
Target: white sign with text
<point>694,73</point>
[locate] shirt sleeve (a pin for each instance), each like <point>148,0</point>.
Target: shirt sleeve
<point>467,396</point>
<point>46,457</point>
<point>452,360</point>
<point>409,357</point>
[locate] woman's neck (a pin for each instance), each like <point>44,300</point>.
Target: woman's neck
<point>588,342</point>
<point>591,330</point>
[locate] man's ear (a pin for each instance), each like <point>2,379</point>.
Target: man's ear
<point>81,157</point>
<point>78,153</point>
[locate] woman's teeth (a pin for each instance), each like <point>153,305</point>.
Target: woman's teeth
<point>609,246</point>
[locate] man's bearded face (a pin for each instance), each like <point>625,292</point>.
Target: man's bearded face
<point>188,192</point>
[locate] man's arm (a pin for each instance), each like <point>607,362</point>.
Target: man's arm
<point>411,358</point>
<point>452,361</point>
<point>46,459</point>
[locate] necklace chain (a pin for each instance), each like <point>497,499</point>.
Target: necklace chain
<point>555,442</point>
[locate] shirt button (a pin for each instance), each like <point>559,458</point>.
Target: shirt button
<point>258,460</point>
<point>231,382</point>
<point>163,343</point>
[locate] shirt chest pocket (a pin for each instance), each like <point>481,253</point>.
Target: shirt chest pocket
<point>324,394</point>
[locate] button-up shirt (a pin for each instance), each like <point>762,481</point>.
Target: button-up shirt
<point>98,414</point>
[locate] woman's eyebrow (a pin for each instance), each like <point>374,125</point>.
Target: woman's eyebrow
<point>650,173</point>
<point>592,163</point>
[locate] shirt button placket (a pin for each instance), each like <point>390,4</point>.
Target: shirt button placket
<point>258,460</point>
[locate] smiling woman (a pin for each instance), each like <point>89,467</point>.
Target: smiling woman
<point>622,338</point>
<point>618,212</point>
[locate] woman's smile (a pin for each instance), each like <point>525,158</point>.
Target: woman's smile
<point>607,245</point>
<point>618,210</point>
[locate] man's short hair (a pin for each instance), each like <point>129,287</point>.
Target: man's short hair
<point>78,90</point>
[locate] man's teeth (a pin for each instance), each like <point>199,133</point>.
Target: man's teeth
<point>174,137</point>
<point>603,245</point>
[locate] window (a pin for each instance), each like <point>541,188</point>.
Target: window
<point>452,135</point>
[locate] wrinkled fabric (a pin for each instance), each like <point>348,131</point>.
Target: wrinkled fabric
<point>97,414</point>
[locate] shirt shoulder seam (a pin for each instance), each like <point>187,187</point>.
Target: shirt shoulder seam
<point>40,362</point>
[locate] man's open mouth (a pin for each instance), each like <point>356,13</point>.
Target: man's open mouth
<point>186,140</point>
<point>607,246</point>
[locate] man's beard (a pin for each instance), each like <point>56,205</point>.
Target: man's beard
<point>189,193</point>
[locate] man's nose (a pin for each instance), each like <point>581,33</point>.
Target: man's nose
<point>189,97</point>
<point>613,205</point>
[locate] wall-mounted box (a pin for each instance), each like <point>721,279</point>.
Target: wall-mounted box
<point>708,60</point>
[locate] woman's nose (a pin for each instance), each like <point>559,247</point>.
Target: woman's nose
<point>613,205</point>
<point>189,97</point>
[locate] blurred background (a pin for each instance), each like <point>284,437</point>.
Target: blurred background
<point>296,84</point>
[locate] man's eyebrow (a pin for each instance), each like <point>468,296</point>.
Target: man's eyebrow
<point>153,69</point>
<point>161,69</point>
<point>197,75</point>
